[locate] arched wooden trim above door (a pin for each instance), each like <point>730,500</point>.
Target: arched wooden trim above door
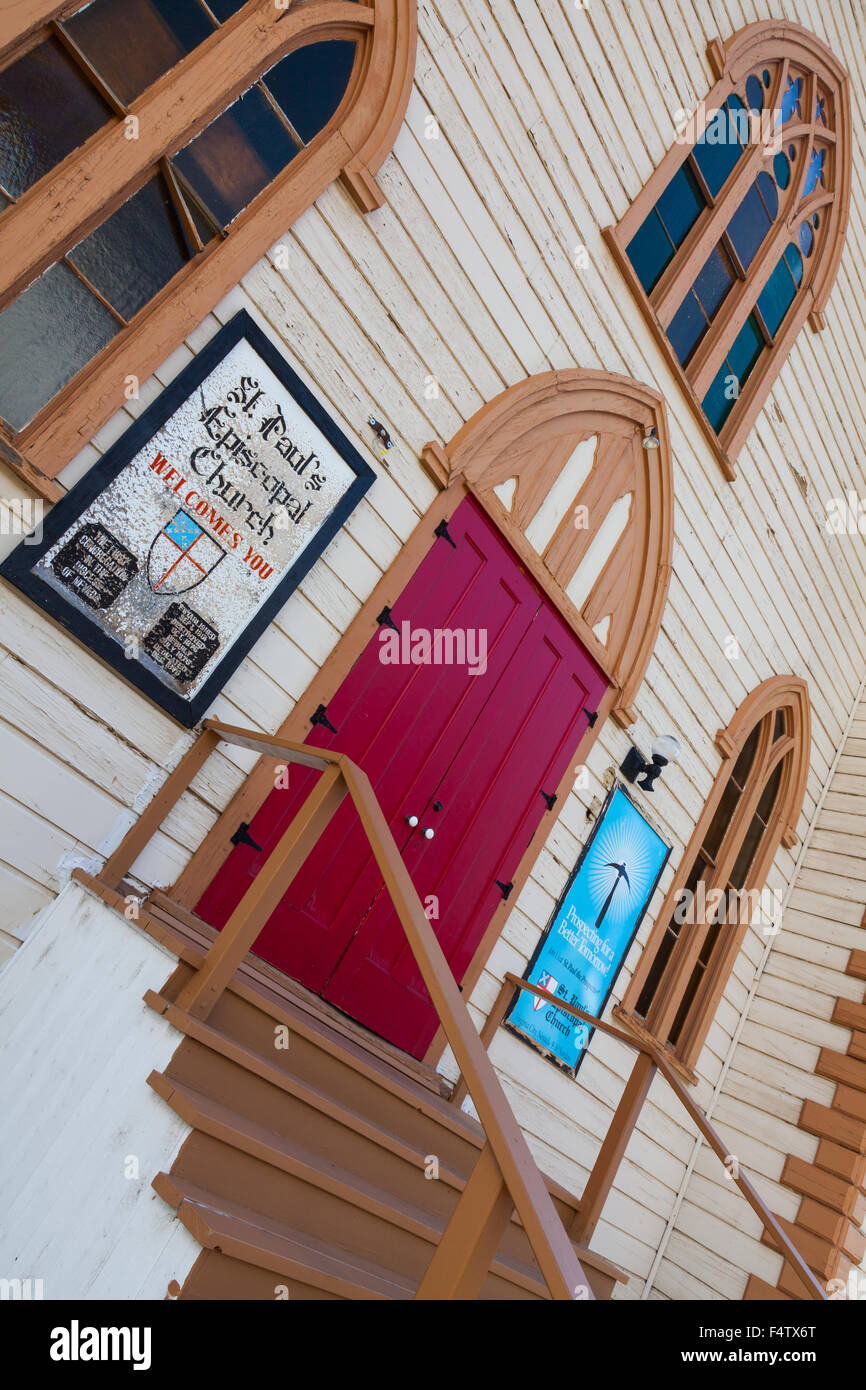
<point>559,464</point>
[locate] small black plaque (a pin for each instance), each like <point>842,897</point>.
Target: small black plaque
<point>94,565</point>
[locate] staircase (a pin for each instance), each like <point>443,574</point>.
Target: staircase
<point>305,1172</point>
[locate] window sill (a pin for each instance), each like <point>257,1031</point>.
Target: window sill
<point>636,1026</point>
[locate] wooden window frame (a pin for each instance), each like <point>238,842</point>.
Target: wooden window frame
<point>788,693</point>
<point>75,197</point>
<point>769,43</point>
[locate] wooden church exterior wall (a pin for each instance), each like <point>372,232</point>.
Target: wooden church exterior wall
<point>550,120</point>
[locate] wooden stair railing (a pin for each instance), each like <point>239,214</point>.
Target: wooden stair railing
<point>650,1060</point>
<point>505,1176</point>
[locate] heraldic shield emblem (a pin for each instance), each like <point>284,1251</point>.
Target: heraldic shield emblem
<point>181,556</point>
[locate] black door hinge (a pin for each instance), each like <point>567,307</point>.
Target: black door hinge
<point>242,836</point>
<point>442,532</point>
<point>505,888</point>
<point>385,620</point>
<point>550,798</point>
<point>591,717</point>
<point>321,717</point>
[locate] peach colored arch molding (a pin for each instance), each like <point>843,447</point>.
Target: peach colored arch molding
<point>558,462</point>
<point>789,693</point>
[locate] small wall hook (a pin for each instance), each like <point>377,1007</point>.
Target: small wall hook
<point>379,429</point>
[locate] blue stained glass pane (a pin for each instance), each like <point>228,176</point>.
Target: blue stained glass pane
<point>815,173</point>
<point>782,170</point>
<point>795,264</point>
<point>681,204</point>
<point>719,148</point>
<point>236,156</point>
<point>777,296</point>
<point>310,83</point>
<point>650,250</point>
<point>687,327</point>
<point>714,280</point>
<point>717,405</point>
<point>807,238</point>
<point>754,94</point>
<point>791,99</point>
<point>749,225</point>
<point>721,397</point>
<point>747,348</point>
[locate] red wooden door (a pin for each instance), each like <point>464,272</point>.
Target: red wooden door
<point>482,748</point>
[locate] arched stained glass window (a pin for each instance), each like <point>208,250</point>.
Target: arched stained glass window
<point>735,240</point>
<point>718,890</point>
<point>150,152</point>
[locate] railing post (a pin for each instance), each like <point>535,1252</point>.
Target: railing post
<point>201,992</point>
<point>487,1034</point>
<point>471,1238</point>
<point>557,1260</point>
<point>142,832</point>
<point>620,1130</point>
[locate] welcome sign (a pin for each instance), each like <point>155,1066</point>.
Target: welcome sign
<point>592,928</point>
<point>173,554</point>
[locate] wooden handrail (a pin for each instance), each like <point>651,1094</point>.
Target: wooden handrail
<point>506,1175</point>
<point>654,1060</point>
<point>506,1165</point>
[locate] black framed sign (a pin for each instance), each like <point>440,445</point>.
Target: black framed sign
<point>172,555</point>
<point>591,930</point>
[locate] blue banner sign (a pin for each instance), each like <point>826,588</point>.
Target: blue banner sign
<point>592,928</point>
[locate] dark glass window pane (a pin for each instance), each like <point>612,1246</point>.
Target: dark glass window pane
<point>753,218</point>
<point>748,850</point>
<point>721,817</point>
<point>237,155</point>
<point>224,9</point>
<point>309,84</point>
<point>687,327</point>
<point>779,293</point>
<point>782,170</point>
<point>662,956</point>
<point>716,404</point>
<point>780,725</point>
<point>681,204</point>
<point>47,109</point>
<point>48,334</point>
<point>719,148</point>
<point>687,1000</point>
<point>650,250</point>
<point>133,42</point>
<point>744,762</point>
<point>699,306</point>
<point>136,251</point>
<point>770,792</point>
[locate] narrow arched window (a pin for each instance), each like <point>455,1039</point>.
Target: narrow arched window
<point>720,887</point>
<point>150,152</point>
<point>735,241</point>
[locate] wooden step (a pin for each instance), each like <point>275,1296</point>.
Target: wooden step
<point>288,1255</point>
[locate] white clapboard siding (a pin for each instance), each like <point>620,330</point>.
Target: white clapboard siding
<point>550,118</point>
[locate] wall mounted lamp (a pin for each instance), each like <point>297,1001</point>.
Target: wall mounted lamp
<point>664,750</point>
<point>651,439</point>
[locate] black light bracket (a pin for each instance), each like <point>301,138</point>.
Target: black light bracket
<point>379,429</point>
<point>634,765</point>
<point>321,717</point>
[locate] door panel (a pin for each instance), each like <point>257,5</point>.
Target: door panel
<point>486,746</point>
<point>491,806</point>
<point>396,721</point>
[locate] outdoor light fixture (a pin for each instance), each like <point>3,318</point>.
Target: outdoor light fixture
<point>651,439</point>
<point>664,750</point>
